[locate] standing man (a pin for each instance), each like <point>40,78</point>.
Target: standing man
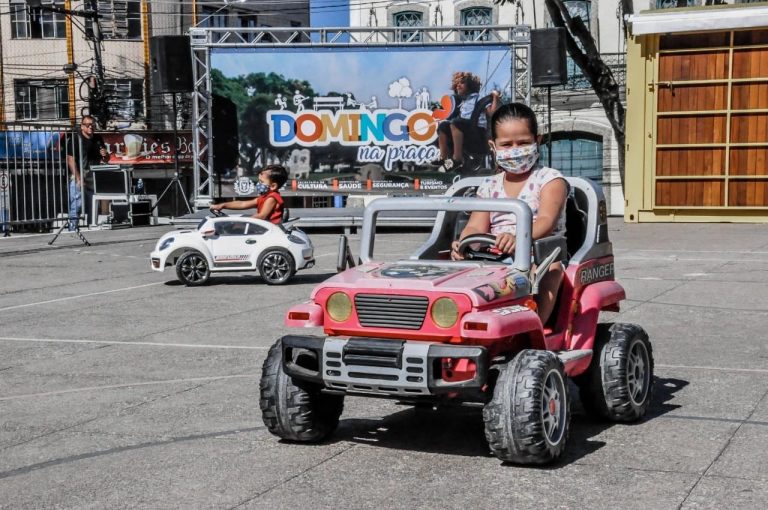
<point>83,151</point>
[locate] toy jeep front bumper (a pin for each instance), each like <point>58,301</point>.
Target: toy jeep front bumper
<point>379,365</point>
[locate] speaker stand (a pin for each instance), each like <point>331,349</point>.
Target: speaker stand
<point>77,232</point>
<point>175,179</point>
<point>549,126</point>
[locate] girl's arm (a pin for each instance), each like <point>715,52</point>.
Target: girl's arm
<point>553,196</point>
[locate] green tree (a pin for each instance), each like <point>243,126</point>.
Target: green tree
<point>254,94</point>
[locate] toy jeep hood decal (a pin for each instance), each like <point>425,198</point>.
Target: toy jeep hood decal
<point>425,271</point>
<point>482,283</point>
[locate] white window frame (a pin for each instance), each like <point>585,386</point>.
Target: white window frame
<point>111,17</point>
<point>28,105</point>
<point>22,16</point>
<point>125,100</point>
<point>407,35</point>
<point>471,35</point>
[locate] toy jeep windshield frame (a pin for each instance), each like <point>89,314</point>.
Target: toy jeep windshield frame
<point>522,259</point>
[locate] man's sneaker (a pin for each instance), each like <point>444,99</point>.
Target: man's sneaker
<point>450,165</point>
<point>437,162</point>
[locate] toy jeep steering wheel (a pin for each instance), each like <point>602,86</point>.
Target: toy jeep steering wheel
<point>483,252</point>
<point>217,213</point>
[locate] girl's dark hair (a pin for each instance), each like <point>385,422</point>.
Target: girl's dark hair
<point>514,111</point>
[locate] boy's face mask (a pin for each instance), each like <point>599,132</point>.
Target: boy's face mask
<point>518,160</point>
<point>261,188</point>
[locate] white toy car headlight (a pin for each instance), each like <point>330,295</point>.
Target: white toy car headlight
<point>166,244</point>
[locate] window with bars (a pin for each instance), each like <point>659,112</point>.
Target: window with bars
<point>671,4</point>
<point>578,9</point>
<point>41,99</point>
<point>409,19</point>
<point>476,16</point>
<point>27,23</point>
<point>120,19</point>
<point>124,99</point>
<point>575,154</point>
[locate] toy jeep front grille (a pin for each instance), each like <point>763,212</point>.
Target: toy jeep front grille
<point>387,311</point>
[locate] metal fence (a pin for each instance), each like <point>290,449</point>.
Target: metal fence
<point>34,178</point>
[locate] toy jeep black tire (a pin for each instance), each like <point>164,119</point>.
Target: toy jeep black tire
<point>295,412</point>
<point>619,382</point>
<point>527,420</point>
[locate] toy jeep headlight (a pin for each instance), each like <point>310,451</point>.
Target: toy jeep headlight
<point>339,306</point>
<point>445,312</point>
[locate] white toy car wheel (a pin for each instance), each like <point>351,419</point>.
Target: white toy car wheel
<point>276,266</point>
<point>192,269</point>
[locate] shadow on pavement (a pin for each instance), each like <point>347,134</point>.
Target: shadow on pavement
<point>459,430</point>
<point>255,279</point>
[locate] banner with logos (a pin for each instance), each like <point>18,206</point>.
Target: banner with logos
<point>357,120</point>
<point>143,148</point>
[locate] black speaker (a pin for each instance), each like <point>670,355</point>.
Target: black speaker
<point>225,134</point>
<point>548,65</point>
<point>171,64</point>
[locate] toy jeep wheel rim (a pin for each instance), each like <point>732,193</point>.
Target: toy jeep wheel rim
<point>638,375</point>
<point>553,408</point>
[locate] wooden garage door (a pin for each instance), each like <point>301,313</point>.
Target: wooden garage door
<point>712,121</point>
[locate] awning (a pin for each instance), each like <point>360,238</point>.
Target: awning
<point>662,21</point>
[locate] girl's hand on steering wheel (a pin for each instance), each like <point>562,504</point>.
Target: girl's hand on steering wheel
<point>505,243</point>
<point>455,255</point>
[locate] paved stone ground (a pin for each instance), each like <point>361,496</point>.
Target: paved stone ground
<point>121,388</point>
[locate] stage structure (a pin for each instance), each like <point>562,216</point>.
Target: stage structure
<point>431,46</point>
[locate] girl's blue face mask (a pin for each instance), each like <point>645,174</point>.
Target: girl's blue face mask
<point>261,188</point>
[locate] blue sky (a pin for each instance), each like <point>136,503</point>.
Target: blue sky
<point>329,13</point>
<point>368,72</point>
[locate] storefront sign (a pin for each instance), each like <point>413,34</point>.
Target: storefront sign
<point>147,148</point>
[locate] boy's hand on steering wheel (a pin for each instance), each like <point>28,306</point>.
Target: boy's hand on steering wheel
<point>505,243</point>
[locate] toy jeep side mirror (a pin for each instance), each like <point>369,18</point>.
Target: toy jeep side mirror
<point>208,232</point>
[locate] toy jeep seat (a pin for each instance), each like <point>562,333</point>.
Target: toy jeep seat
<point>586,227</point>
<point>575,219</point>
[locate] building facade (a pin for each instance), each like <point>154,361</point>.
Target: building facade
<point>50,63</point>
<point>583,141</point>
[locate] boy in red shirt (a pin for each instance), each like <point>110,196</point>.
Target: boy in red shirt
<point>269,204</point>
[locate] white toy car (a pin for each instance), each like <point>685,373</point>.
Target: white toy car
<point>234,243</point>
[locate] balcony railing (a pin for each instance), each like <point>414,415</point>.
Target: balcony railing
<point>578,81</point>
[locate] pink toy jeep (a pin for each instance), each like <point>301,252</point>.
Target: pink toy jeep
<point>428,330</point>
